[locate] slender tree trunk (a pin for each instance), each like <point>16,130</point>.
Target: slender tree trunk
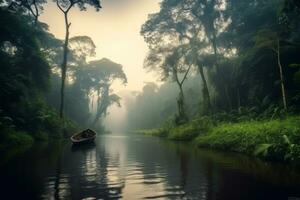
<point>182,117</point>
<point>92,104</point>
<point>102,103</point>
<point>214,43</point>
<point>64,66</point>
<point>205,91</point>
<point>98,109</point>
<point>281,77</point>
<point>180,104</point>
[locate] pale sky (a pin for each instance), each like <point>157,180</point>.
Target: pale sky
<point>115,30</point>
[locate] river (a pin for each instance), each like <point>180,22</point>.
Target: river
<point>140,167</point>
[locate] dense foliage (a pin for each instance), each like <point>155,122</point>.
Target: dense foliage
<point>246,53</point>
<point>30,80</point>
<point>247,56</point>
<point>24,77</point>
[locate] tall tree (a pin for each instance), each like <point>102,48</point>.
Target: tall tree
<point>271,40</point>
<point>65,6</point>
<point>196,24</point>
<point>102,74</point>
<point>209,14</point>
<point>174,63</point>
<point>170,62</point>
<point>241,35</point>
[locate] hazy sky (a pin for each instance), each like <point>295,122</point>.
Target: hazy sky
<point>115,31</point>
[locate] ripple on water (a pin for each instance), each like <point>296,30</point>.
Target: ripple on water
<point>166,195</point>
<point>115,169</point>
<point>58,186</point>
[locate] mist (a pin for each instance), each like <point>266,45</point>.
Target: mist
<point>150,99</point>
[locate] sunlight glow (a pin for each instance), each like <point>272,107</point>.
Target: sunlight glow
<point>115,31</point>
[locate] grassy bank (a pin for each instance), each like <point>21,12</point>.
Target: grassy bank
<point>276,139</point>
<point>185,132</point>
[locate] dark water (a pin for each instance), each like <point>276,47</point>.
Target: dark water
<point>137,167</point>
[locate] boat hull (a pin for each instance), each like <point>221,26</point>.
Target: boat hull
<point>84,141</point>
<point>80,139</point>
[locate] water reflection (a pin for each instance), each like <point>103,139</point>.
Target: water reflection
<point>119,167</point>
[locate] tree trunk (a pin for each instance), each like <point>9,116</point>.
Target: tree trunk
<point>214,44</point>
<point>182,117</point>
<point>101,103</point>
<point>205,91</point>
<point>98,109</point>
<point>281,77</point>
<point>64,66</point>
<point>180,105</point>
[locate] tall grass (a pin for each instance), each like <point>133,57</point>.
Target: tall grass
<point>275,139</point>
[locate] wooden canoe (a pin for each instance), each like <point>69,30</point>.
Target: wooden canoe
<point>85,136</point>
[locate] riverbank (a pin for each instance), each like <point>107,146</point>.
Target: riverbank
<point>15,139</point>
<point>12,137</point>
<point>276,139</point>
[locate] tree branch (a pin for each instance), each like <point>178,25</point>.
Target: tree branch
<point>62,10</point>
<point>175,75</point>
<point>185,75</point>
